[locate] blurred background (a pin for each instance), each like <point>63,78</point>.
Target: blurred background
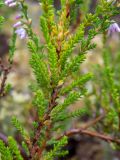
<point>18,101</point>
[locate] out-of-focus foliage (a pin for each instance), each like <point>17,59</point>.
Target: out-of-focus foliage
<point>1,17</point>
<point>106,91</point>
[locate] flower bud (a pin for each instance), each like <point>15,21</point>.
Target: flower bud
<point>18,16</point>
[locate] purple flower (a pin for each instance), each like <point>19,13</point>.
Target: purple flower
<point>18,24</point>
<point>21,32</point>
<point>114,28</point>
<point>10,3</point>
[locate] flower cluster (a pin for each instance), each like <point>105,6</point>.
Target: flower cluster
<point>20,31</point>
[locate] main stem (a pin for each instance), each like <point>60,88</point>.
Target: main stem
<point>36,150</point>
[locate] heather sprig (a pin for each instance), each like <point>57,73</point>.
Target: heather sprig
<point>59,83</point>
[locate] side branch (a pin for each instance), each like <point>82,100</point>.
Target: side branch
<point>90,133</point>
<point>84,130</point>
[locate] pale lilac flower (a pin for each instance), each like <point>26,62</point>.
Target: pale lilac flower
<point>114,28</point>
<point>21,32</point>
<point>18,24</point>
<point>12,4</point>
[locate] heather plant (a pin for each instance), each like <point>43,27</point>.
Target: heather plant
<point>56,64</point>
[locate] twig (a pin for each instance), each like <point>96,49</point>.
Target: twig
<point>5,71</point>
<point>3,137</point>
<point>101,136</point>
<point>86,126</point>
<point>90,133</point>
<point>84,130</point>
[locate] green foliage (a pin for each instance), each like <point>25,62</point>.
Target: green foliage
<point>112,90</point>
<point>45,29</point>
<point>1,17</point>
<point>1,20</point>
<point>78,113</point>
<point>69,46</point>
<point>32,47</point>
<point>25,147</point>
<point>14,149</point>
<point>74,114</point>
<point>1,3</point>
<point>72,66</point>
<point>11,152</point>
<point>57,151</point>
<point>5,152</point>
<point>78,83</point>
<point>71,98</point>
<point>40,70</point>
<point>48,13</point>
<point>53,59</point>
<point>19,127</point>
<point>106,91</point>
<point>52,54</point>
<point>12,47</point>
<point>7,88</point>
<point>40,102</point>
